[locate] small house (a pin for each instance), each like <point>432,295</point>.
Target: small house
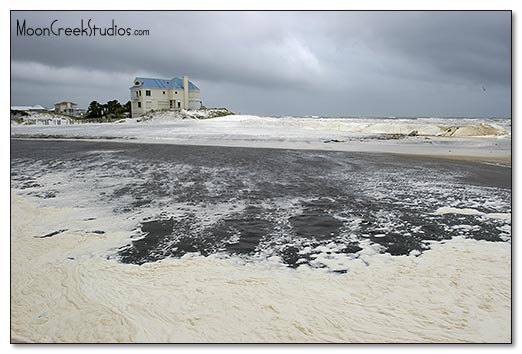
<point>68,108</point>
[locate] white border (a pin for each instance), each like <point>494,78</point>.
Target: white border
<point>245,5</point>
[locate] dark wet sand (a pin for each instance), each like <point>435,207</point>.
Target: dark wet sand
<point>339,197</point>
<point>482,174</point>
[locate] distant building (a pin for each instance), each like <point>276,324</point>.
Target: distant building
<point>46,119</point>
<point>68,108</point>
<point>149,94</point>
<point>28,108</point>
<point>80,112</point>
<point>38,115</point>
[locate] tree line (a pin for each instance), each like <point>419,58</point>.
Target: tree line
<point>110,110</point>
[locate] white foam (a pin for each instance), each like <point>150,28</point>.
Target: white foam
<point>459,291</point>
<point>470,211</point>
<point>464,137</point>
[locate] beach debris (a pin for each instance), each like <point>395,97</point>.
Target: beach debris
<point>334,141</point>
<point>51,234</point>
<point>388,136</point>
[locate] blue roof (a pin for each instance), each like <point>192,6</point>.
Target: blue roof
<point>175,83</point>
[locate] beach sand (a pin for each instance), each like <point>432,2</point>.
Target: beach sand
<point>457,292</point>
<point>69,287</point>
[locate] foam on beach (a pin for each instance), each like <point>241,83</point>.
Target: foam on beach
<point>64,289</point>
<point>471,211</point>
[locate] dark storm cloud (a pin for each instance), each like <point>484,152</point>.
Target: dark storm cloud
<point>396,63</point>
<point>241,48</point>
<point>474,46</point>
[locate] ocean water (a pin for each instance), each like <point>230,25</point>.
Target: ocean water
<point>111,219</point>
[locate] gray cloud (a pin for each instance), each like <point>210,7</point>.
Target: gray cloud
<point>340,63</point>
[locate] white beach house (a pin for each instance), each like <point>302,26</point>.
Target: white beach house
<point>149,94</point>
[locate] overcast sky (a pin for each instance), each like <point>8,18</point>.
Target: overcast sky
<point>278,63</point>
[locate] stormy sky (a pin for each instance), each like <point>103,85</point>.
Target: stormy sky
<point>277,63</point>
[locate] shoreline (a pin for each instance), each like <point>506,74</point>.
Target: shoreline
<point>500,159</point>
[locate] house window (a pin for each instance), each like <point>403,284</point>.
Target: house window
<point>139,104</point>
<point>179,104</point>
<point>163,92</point>
<point>137,94</point>
<point>147,93</point>
<point>175,92</point>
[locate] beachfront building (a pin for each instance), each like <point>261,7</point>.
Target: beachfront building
<point>36,108</point>
<point>66,107</point>
<point>149,94</point>
<point>46,119</point>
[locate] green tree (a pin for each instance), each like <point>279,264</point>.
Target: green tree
<point>110,110</point>
<point>114,108</point>
<point>94,110</point>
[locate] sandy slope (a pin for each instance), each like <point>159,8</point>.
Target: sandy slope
<point>483,139</point>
